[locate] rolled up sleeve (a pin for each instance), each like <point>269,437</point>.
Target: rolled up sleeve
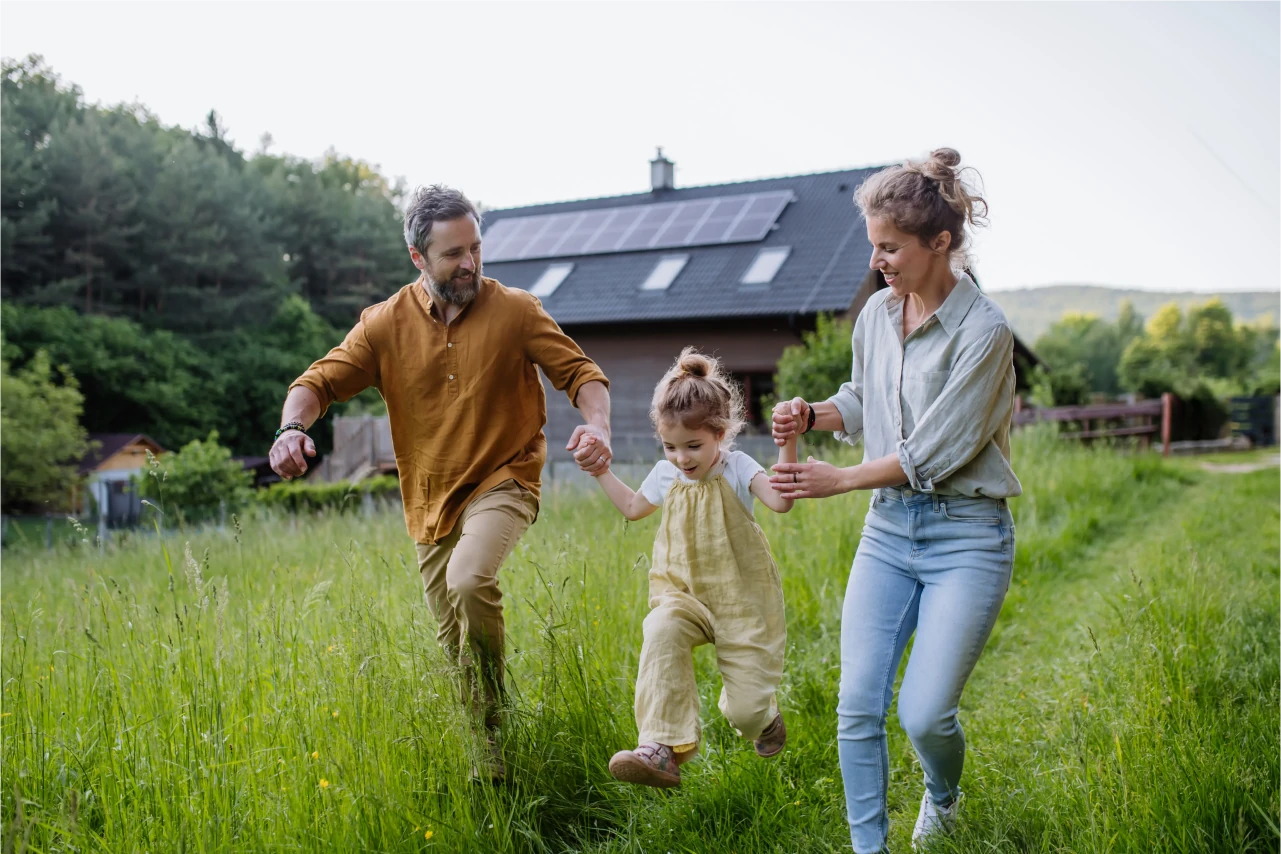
<point>344,371</point>
<point>848,400</point>
<point>966,414</point>
<point>562,360</point>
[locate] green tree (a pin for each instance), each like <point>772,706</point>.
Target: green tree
<point>32,103</point>
<point>339,230</point>
<point>1221,349</point>
<point>1266,378</point>
<point>41,439</point>
<point>815,368</point>
<point>134,380</point>
<point>1091,343</point>
<point>95,222</point>
<point>192,484</point>
<point>1066,386</point>
<point>260,363</point>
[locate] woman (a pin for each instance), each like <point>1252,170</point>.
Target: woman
<point>932,394</point>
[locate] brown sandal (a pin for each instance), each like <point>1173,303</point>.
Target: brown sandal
<point>650,764</point>
<point>771,741</point>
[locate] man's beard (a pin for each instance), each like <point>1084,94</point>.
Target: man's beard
<point>453,291</point>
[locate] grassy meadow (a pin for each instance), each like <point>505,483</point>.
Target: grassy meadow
<point>277,686</point>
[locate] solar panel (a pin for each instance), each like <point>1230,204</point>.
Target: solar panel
<point>698,222</point>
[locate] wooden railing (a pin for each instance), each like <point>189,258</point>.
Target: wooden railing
<point>1107,420</point>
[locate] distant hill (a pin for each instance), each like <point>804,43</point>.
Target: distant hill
<point>1032,310</point>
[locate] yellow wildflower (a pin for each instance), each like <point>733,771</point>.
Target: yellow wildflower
<point>315,754</point>
<point>428,835</point>
<point>324,784</point>
<point>335,713</point>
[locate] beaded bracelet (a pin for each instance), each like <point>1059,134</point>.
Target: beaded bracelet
<point>284,428</point>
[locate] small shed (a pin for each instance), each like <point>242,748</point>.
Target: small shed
<point>107,473</point>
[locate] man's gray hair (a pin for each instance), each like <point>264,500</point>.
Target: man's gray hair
<point>428,205</point>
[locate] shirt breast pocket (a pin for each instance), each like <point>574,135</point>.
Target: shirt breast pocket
<point>925,387</point>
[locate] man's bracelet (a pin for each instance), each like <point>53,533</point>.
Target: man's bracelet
<point>284,428</point>
<point>810,426</point>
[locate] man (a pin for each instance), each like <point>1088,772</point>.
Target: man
<point>455,356</point>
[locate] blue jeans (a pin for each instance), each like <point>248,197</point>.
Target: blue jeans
<point>940,567</point>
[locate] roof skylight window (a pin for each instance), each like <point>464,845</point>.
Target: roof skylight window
<point>766,265</point>
<point>550,280</point>
<point>665,272</point>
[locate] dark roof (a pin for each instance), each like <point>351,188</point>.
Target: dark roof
<point>108,444</point>
<point>829,257</point>
<point>252,462</point>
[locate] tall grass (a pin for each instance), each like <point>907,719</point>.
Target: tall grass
<point>277,686</point>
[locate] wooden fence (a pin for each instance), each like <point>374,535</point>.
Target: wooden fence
<point>1142,419</point>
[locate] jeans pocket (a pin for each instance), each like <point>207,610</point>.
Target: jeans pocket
<point>973,511</point>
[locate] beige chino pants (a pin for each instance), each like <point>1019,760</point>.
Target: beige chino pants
<point>460,581</point>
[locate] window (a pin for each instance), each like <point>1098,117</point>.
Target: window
<point>665,272</point>
<point>758,398</point>
<point>550,280</point>
<point>766,265</point>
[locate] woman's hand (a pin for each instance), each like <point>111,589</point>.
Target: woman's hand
<point>811,479</point>
<point>789,416</point>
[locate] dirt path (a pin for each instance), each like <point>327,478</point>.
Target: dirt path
<point>1242,468</point>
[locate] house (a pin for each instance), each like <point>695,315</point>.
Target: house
<point>739,270</point>
<point>260,469</point>
<point>107,471</point>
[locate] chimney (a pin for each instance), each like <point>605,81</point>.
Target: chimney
<point>662,173</point>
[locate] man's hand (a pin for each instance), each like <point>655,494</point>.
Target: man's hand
<point>788,419</point>
<point>590,445</point>
<point>289,454</point>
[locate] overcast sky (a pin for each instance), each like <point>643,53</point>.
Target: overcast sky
<point>1135,145</point>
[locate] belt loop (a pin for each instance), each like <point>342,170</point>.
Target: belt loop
<point>936,501</point>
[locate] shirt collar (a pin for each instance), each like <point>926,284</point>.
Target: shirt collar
<point>428,302</point>
<point>957,304</point>
<point>950,313</point>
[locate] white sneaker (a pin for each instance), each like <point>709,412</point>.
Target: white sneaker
<point>934,820</point>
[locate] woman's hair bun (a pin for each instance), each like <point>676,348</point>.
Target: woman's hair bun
<point>941,166</point>
<point>949,157</point>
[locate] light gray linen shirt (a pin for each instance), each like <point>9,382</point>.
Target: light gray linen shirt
<point>942,400</point>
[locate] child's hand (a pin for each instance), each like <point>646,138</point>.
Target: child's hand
<point>586,442</point>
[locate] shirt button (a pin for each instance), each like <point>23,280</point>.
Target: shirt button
<point>451,376</point>
<point>450,344</point>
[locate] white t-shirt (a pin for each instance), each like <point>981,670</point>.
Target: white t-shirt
<point>737,467</point>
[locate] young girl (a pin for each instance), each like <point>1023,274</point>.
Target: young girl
<point>712,579</point>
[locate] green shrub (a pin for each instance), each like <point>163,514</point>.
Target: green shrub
<point>1066,386</point>
<point>815,368</point>
<point>191,484</point>
<point>300,496</point>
